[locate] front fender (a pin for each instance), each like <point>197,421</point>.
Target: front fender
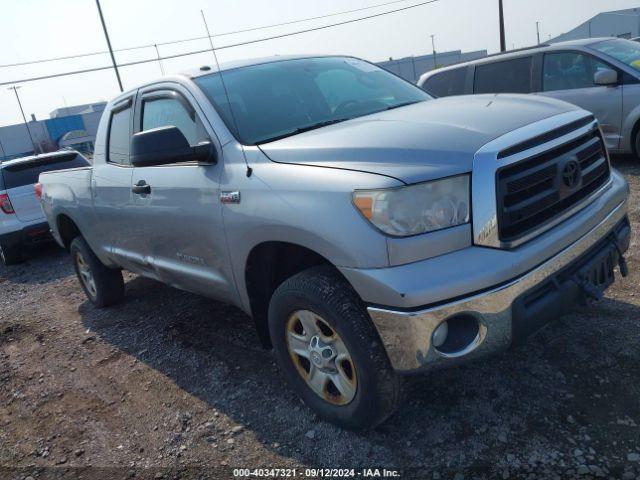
<point>307,206</point>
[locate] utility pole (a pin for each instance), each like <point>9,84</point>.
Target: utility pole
<point>503,43</point>
<point>433,44</point>
<point>106,35</point>
<point>538,31</point>
<point>15,90</point>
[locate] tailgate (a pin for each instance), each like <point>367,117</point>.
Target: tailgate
<point>25,203</point>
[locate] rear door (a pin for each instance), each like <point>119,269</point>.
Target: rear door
<point>569,76</point>
<point>111,188</point>
<point>180,221</point>
<point>20,178</point>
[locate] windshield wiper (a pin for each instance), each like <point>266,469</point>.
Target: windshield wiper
<point>405,104</point>
<point>326,123</point>
<point>306,128</point>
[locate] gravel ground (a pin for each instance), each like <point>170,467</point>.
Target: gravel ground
<point>171,385</point>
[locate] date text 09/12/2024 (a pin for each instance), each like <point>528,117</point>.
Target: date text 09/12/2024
<point>316,473</point>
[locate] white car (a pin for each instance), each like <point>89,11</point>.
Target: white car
<point>22,222</point>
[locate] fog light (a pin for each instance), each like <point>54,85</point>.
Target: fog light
<point>460,335</point>
<point>440,334</point>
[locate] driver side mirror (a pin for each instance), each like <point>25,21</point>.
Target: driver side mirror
<point>606,77</point>
<point>166,145</point>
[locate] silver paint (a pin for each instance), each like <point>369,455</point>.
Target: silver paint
<point>407,336</point>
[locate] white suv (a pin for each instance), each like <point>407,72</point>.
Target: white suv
<point>22,222</point>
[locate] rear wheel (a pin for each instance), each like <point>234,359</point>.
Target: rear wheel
<point>330,352</point>
<point>10,255</point>
<point>102,285</point>
<point>636,143</point>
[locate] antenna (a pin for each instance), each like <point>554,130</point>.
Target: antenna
<point>226,92</point>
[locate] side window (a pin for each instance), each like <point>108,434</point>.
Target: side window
<point>164,112</point>
<point>508,76</point>
<point>446,84</point>
<point>119,140</point>
<point>569,71</point>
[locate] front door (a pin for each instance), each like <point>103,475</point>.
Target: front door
<point>180,215</point>
<point>569,76</point>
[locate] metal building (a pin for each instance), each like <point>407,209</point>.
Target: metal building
<point>73,127</point>
<point>619,23</point>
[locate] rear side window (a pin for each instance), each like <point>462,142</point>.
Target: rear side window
<point>508,76</point>
<point>119,140</point>
<point>22,174</point>
<point>446,84</point>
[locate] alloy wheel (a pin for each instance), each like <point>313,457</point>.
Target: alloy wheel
<point>86,276</point>
<point>321,357</point>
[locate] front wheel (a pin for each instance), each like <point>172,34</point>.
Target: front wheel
<point>330,352</point>
<point>102,285</point>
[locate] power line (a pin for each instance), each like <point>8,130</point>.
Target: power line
<point>185,40</point>
<point>291,22</point>
<point>223,47</point>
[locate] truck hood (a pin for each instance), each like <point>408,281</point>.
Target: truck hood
<point>420,142</point>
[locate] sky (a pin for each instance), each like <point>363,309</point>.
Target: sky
<point>38,29</point>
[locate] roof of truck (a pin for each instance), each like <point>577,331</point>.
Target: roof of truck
<point>208,69</point>
<point>224,66</point>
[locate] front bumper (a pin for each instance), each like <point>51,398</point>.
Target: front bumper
<point>504,313</point>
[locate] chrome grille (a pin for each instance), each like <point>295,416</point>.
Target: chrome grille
<point>538,189</point>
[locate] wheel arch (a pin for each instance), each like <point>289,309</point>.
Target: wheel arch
<point>67,229</point>
<point>268,265</point>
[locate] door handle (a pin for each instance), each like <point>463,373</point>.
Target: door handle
<point>141,188</point>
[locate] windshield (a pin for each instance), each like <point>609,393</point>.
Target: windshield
<point>280,99</point>
<point>625,51</point>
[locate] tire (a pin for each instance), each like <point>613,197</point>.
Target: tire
<point>102,285</point>
<point>10,255</point>
<point>369,390</point>
<point>636,143</point>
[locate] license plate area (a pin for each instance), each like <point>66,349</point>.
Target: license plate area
<point>599,272</point>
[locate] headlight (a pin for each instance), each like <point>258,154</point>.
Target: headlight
<point>416,209</point>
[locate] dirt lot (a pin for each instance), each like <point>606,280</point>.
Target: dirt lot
<point>170,385</point>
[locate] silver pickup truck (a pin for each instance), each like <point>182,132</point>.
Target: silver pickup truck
<point>369,230</point>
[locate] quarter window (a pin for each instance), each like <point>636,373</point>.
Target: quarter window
<point>508,76</point>
<point>164,112</point>
<point>119,141</point>
<point>448,83</point>
<point>569,71</point>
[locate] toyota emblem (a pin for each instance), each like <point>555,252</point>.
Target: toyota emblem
<point>571,174</point>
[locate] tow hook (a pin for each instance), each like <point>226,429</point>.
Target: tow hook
<point>622,263</point>
<point>588,288</point>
